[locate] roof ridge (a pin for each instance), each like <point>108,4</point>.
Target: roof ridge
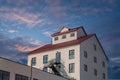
<point>69,30</point>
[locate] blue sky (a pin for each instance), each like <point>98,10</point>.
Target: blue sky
<point>27,24</point>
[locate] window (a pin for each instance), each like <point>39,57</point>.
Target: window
<point>95,59</point>
<point>72,34</point>
<point>103,75</point>
<point>45,59</point>
<point>95,72</point>
<point>71,54</point>
<point>85,68</point>
<point>35,79</point>
<point>20,77</point>
<point>85,54</point>
<point>95,47</point>
<point>103,63</point>
<point>58,57</point>
<point>45,69</point>
<point>71,67</point>
<point>33,61</point>
<point>56,38</point>
<point>4,75</point>
<point>63,36</point>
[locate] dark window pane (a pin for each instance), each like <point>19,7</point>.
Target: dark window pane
<point>103,75</point>
<point>56,38</point>
<point>72,34</point>
<point>71,68</point>
<point>63,36</point>
<point>95,72</point>
<point>85,68</point>
<point>71,54</point>
<point>95,59</point>
<point>45,59</point>
<point>20,77</point>
<point>4,75</point>
<point>34,61</point>
<point>103,64</point>
<point>58,57</point>
<point>35,79</point>
<point>85,54</point>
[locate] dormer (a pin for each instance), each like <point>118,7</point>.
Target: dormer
<point>67,34</point>
<point>64,29</point>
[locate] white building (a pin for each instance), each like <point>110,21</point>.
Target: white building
<point>10,70</point>
<point>73,54</point>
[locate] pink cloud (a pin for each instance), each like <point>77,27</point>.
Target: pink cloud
<point>23,48</point>
<point>12,31</point>
<point>21,16</point>
<point>47,33</point>
<point>30,46</point>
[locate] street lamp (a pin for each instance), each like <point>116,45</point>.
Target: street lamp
<point>31,69</point>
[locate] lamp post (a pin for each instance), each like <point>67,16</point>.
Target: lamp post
<point>31,69</point>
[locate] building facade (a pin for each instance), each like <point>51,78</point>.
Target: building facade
<point>73,54</point>
<point>10,70</point>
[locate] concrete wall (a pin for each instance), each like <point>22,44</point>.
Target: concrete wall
<point>89,61</point>
<point>16,68</point>
<point>64,56</point>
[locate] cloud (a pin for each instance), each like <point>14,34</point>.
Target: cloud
<point>47,33</point>
<point>30,19</point>
<point>26,48</point>
<point>16,48</point>
<point>25,3</point>
<point>113,70</point>
<point>21,16</point>
<point>12,31</point>
<point>115,59</point>
<point>26,44</point>
<point>23,19</point>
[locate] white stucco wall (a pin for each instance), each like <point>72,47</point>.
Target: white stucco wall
<point>16,68</point>
<point>89,75</point>
<point>64,56</point>
<point>64,29</point>
<point>79,60</point>
<point>68,38</point>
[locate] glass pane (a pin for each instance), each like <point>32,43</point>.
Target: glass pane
<point>34,61</point>
<point>0,75</point>
<point>45,59</point>
<point>71,54</point>
<point>71,68</point>
<point>63,36</point>
<point>58,56</point>
<point>72,34</point>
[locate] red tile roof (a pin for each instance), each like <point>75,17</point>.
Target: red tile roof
<point>70,30</point>
<point>48,47</point>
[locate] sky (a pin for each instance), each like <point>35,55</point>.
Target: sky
<point>27,24</point>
